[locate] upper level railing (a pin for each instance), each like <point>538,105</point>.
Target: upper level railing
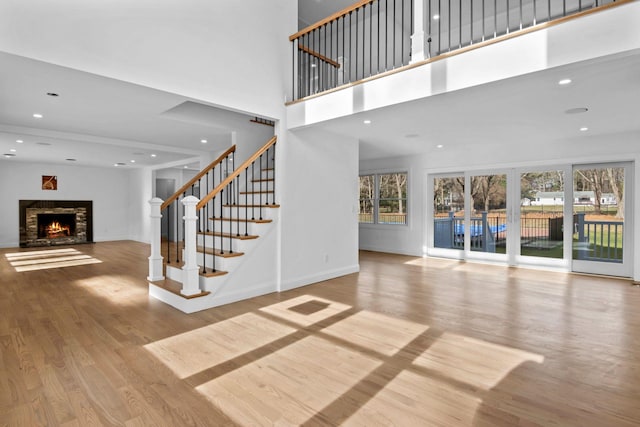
<point>375,36</point>
<point>367,38</point>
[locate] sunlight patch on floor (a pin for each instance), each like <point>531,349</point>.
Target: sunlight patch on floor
<point>475,362</point>
<point>290,386</point>
<point>191,352</point>
<point>376,332</point>
<point>48,258</point>
<point>412,399</point>
<point>293,310</point>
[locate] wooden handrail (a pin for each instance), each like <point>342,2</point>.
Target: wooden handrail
<point>202,173</point>
<point>235,173</point>
<point>330,18</point>
<point>319,56</point>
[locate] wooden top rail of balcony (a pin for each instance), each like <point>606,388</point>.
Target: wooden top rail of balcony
<point>331,18</point>
<point>236,173</point>
<point>202,173</point>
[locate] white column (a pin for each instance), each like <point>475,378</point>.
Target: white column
<point>155,260</point>
<point>418,38</point>
<point>190,269</point>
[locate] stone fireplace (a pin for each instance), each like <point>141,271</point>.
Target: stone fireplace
<point>55,222</point>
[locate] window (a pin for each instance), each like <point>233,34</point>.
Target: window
<point>383,198</point>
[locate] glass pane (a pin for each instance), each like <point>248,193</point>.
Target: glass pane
<point>598,214</point>
<point>367,193</point>
<point>488,230</point>
<point>448,212</point>
<point>392,205</point>
<point>541,214</point>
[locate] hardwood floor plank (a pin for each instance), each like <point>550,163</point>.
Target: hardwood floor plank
<point>407,341</point>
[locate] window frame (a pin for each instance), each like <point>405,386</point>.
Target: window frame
<point>376,199</point>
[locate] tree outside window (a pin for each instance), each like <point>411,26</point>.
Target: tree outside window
<point>383,198</point>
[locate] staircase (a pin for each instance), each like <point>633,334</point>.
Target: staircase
<point>222,246</point>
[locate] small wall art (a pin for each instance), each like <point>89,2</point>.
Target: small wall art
<point>49,182</point>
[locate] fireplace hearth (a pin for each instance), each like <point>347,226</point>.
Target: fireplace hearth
<point>55,222</point>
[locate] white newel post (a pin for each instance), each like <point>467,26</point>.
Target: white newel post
<point>155,260</point>
<point>419,38</point>
<point>190,269</point>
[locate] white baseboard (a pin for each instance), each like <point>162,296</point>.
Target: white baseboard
<point>318,277</point>
<point>389,250</point>
<point>212,300</point>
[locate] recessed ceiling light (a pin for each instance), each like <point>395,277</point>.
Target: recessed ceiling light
<point>42,143</point>
<point>37,115</point>
<point>19,141</point>
<point>564,82</point>
<point>70,160</point>
<point>13,150</point>
<point>436,17</point>
<point>439,146</point>
<point>578,110</point>
<point>204,141</point>
<point>52,94</point>
<point>584,129</point>
<point>154,155</point>
<point>8,155</point>
<point>186,167</point>
<point>367,122</point>
<point>132,161</point>
<point>120,164</point>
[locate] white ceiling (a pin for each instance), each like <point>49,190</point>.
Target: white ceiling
<point>100,121</point>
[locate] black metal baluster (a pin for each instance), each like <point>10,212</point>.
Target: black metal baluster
<point>371,40</point>
<point>221,222</point>
<point>521,12</point>
<point>484,10</point>
<point>274,174</point>
<point>177,231</point>
<point>394,35</point>
<point>535,13</point>
<point>386,34</point>
<point>378,37</point>
<point>253,194</point>
<point>460,23</point>
<point>238,206</point>
<point>471,25</point>
<point>509,19</point>
<point>246,204</point>
<point>549,9</point>
<point>169,234</point>
<point>401,32</point>
<point>213,233</point>
<point>449,26</point>
<point>260,198</point>
<point>293,70</point>
<point>357,19</point>
<point>495,19</point>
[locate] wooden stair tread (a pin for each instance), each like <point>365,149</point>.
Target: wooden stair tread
<point>174,287</point>
<point>255,221</point>
<point>252,206</point>
<point>210,273</point>
<point>216,252</point>
<point>233,236</point>
<point>257,192</point>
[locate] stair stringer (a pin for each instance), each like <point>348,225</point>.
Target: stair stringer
<point>254,274</point>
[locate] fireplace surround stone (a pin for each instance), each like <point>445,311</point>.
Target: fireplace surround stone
<point>29,210</point>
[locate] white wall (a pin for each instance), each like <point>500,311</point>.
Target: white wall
<point>317,187</point>
<point>140,192</point>
<point>109,189</point>
<point>230,53</point>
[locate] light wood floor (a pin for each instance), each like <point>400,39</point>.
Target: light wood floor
<point>407,341</point>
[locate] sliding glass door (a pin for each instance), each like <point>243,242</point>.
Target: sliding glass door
<point>575,218</point>
<point>601,213</point>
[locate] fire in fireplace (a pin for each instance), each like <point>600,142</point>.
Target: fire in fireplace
<point>53,226</point>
